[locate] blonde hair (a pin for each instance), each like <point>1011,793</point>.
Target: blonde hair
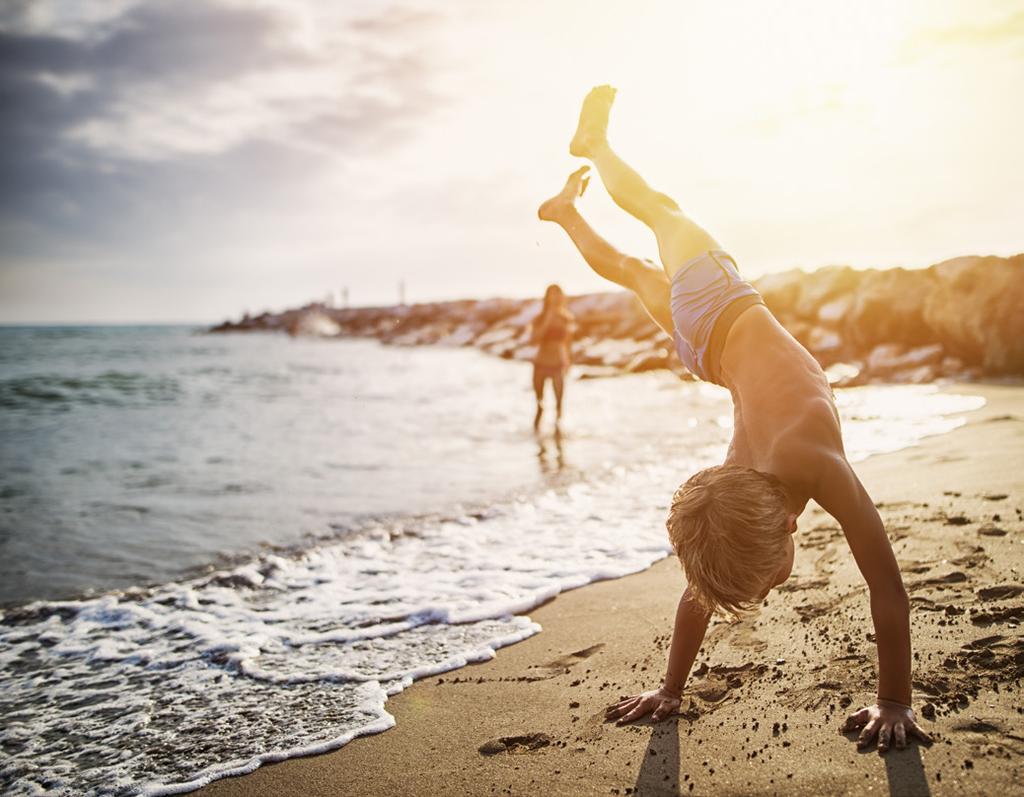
<point>728,527</point>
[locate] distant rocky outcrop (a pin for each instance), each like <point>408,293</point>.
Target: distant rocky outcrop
<point>962,318</point>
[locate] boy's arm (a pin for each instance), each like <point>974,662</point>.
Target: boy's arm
<point>840,493</point>
<point>687,636</point>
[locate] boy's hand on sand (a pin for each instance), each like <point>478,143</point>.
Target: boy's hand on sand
<point>658,703</point>
<point>889,722</point>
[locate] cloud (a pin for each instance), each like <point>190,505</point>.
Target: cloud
<point>976,34</point>
<point>116,116</point>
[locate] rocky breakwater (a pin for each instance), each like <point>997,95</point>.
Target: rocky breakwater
<point>613,334</point>
<point>962,318</point>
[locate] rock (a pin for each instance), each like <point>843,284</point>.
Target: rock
<point>889,307</point>
<point>825,344</point>
<point>831,314</point>
<point>781,292</point>
<point>654,360</point>
<point>525,316</point>
<point>951,366</point>
<point>608,351</point>
<point>959,319</point>
<point>462,335</point>
<point>527,353</point>
<point>885,357</point>
<point>313,324</point>
<point>890,358</point>
<point>801,330</point>
<point>976,311</point>
<point>822,286</point>
<point>490,311</point>
<point>494,337</point>
<point>600,304</point>
<point>922,374</point>
<point>842,374</point>
<point>932,354</point>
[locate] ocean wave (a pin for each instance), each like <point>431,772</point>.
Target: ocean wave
<point>166,689</point>
<point>49,392</point>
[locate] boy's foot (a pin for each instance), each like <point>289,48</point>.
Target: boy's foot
<point>592,130</point>
<point>574,187</point>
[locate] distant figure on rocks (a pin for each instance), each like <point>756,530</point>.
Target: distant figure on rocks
<point>551,331</point>
<point>732,526</point>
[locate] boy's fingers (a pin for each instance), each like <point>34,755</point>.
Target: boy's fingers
<point>868,733</point>
<point>857,720</point>
<point>620,704</point>
<point>883,737</point>
<point>920,734</point>
<point>638,711</point>
<point>622,707</point>
<point>901,736</point>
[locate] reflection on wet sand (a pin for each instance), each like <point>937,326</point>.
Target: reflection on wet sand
<point>551,453</point>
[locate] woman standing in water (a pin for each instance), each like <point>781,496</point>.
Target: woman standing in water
<point>551,331</point>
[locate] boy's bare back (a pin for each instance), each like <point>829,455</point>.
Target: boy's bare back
<point>786,421</point>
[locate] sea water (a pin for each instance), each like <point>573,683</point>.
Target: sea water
<point>217,551</point>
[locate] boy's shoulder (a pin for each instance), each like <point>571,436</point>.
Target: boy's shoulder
<point>809,465</point>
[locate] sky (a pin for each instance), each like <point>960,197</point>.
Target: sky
<point>190,160</point>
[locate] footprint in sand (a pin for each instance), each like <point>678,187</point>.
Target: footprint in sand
<point>576,657</point>
<point>1003,592</point>
<point>938,582</point>
<point>808,611</point>
<point>801,584</point>
<point>564,663</point>
<point>515,744</point>
<point>989,738</point>
<point>974,556</point>
<point>720,680</point>
<point>1004,657</point>
<point>1013,614</point>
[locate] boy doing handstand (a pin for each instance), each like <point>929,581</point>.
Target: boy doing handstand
<point>732,525</point>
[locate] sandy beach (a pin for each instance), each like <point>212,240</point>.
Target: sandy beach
<point>761,711</point>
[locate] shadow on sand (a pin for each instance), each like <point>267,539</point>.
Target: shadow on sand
<point>904,769</point>
<point>905,772</point>
<point>659,771</point>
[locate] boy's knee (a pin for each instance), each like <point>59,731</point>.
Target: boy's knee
<point>640,272</point>
<point>646,278</point>
<point>667,202</point>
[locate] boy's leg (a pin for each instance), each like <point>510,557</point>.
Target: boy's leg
<point>558,383</point>
<point>679,238</point>
<point>645,279</point>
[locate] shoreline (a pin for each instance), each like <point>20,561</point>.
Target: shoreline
<point>530,720</point>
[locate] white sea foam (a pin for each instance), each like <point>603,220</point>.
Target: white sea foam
<point>162,691</point>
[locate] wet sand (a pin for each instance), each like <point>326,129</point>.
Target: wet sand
<point>761,711</point>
